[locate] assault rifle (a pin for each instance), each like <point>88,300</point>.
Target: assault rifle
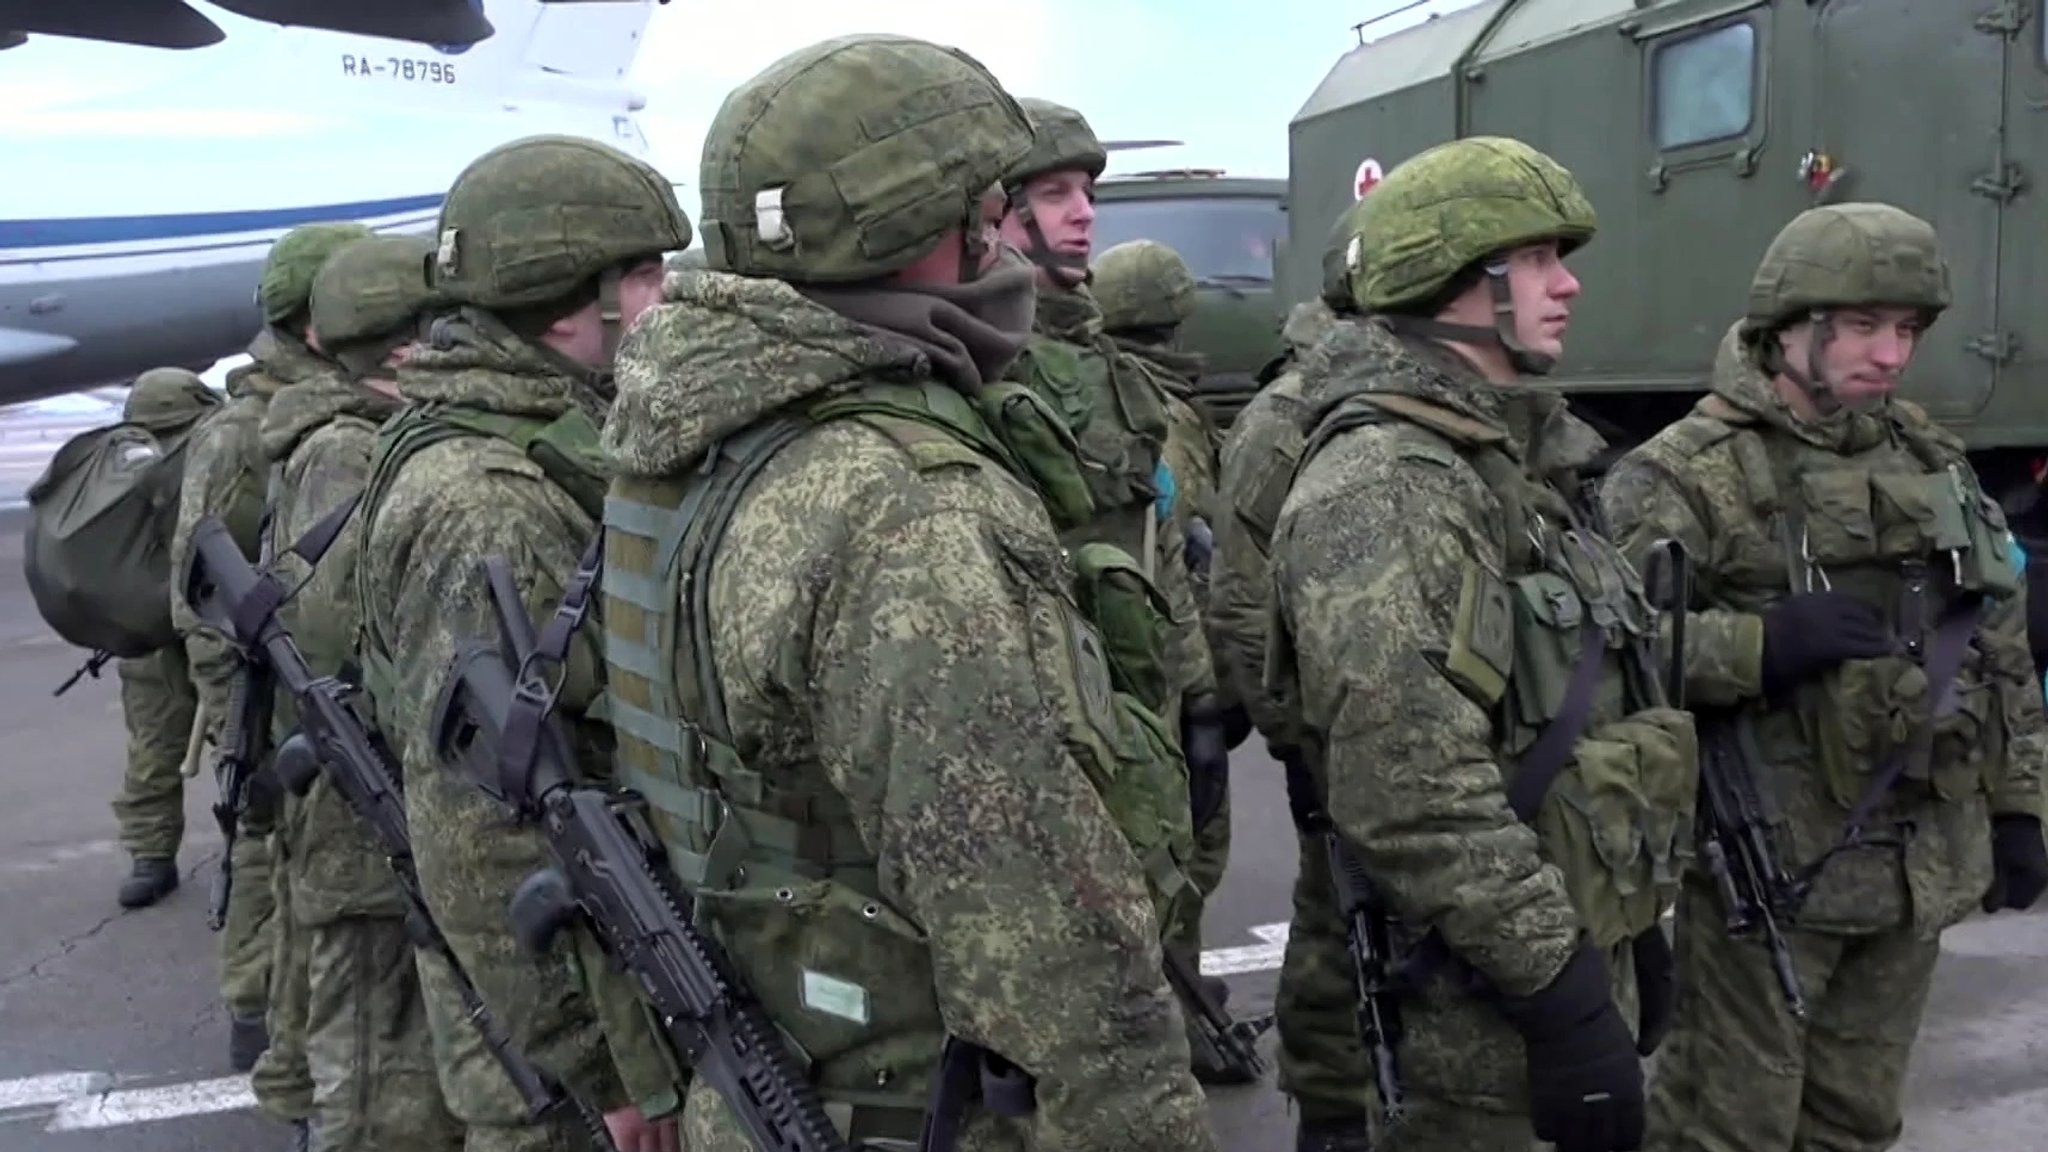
<point>1754,886</point>
<point>493,719</point>
<point>245,739</point>
<point>232,595</point>
<point>1373,971</point>
<point>1224,1043</point>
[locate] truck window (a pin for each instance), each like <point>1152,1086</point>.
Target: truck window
<point>1703,86</point>
<point>1222,238</point>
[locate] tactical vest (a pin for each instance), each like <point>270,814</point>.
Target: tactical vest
<point>1121,450</point>
<point>1563,631</point>
<point>565,447</point>
<point>776,863</point>
<point>1926,546</point>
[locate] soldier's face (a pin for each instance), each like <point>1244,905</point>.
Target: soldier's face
<point>1542,289</point>
<point>580,334</point>
<point>1861,360</point>
<point>1063,204</point>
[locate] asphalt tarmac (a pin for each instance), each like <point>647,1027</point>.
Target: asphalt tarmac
<point>111,1036</point>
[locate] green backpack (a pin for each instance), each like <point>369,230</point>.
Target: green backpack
<point>97,551</point>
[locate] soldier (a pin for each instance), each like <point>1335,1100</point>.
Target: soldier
<point>1146,292</point>
<point>1117,411</point>
<point>1322,1065</point>
<point>224,477</point>
<point>1469,657</point>
<point>548,249</point>
<point>901,703</point>
<point>1859,624</point>
<point>158,702</point>
<point>346,989</point>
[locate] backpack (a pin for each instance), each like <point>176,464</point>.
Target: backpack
<point>97,550</point>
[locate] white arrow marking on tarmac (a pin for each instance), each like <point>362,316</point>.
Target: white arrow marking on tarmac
<point>86,1100</point>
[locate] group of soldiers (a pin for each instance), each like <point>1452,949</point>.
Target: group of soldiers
<point>932,604</point>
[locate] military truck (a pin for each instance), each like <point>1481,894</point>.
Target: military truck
<point>1698,128</point>
<point>1226,228</point>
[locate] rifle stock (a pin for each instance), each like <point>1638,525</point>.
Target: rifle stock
<point>1379,1009</point>
<point>610,872</point>
<point>335,741</point>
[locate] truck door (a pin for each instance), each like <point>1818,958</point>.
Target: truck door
<point>2019,413</point>
<point>1910,104</point>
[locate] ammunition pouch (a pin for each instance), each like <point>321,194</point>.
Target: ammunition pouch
<point>1618,821</point>
<point>1913,544</point>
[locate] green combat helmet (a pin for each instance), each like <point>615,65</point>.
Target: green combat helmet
<point>287,284</point>
<point>368,298</point>
<point>167,399</point>
<point>1469,202</point>
<point>850,159</point>
<point>1143,285</point>
<point>1841,256</point>
<point>1064,143</point>
<point>529,225</point>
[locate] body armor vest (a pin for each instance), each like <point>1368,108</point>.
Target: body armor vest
<point>774,863</point>
<point>1909,532</point>
<point>1560,653</point>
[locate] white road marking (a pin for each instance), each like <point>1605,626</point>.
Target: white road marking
<point>143,1105</point>
<point>83,1101</point>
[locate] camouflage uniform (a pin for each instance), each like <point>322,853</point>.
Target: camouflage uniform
<point>224,474</point>
<point>1830,688</point>
<point>1323,1067</point>
<point>1118,410</point>
<point>496,449</point>
<point>1146,292</point>
<point>364,1032</point>
<point>158,703</point>
<point>1440,601</point>
<point>914,714</point>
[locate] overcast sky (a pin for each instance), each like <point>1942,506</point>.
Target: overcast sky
<point>1223,75</point>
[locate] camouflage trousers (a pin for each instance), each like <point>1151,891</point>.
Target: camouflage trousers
<point>1465,1072</point>
<point>158,706</point>
<point>478,1093</point>
<point>368,1044</point>
<point>281,1082</point>
<point>246,941</point>
<point>1323,1066</point>
<point>1739,1072</point>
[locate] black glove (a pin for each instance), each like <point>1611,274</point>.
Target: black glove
<point>1205,744</point>
<point>1812,632</point>
<point>1302,802</point>
<point>1585,1079</point>
<point>1656,988</point>
<point>2019,863</point>
<point>1199,546</point>
<point>1237,726</point>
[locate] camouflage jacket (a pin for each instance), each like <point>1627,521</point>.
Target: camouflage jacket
<point>1382,530</point>
<point>419,593</point>
<point>1689,483</point>
<point>1258,459</point>
<point>317,436</point>
<point>1101,414</point>
<point>223,464</point>
<point>887,631</point>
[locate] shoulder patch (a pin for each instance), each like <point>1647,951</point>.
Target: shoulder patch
<point>506,464</point>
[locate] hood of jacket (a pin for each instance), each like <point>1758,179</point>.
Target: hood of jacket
<point>470,357</point>
<point>1532,424</point>
<point>721,352</point>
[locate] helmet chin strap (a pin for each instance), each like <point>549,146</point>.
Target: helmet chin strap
<point>1809,377</point>
<point>1503,333</point>
<point>1040,251</point>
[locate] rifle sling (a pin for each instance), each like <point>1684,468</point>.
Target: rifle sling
<point>1944,662</point>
